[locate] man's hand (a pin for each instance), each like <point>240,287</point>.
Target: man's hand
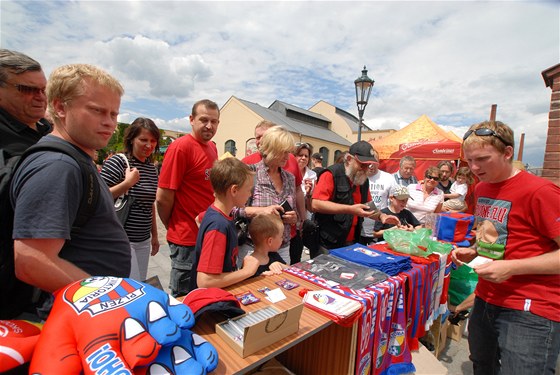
<point>496,271</point>
<point>462,255</point>
<point>360,209</point>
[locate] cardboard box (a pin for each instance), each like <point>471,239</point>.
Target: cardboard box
<point>455,332</point>
<point>437,335</point>
<point>426,364</point>
<point>263,333</point>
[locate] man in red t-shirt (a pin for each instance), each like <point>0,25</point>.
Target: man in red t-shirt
<point>184,190</point>
<point>514,326</point>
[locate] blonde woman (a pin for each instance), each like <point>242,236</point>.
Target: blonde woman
<point>274,186</point>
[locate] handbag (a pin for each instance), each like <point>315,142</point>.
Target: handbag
<point>124,202</point>
<point>242,227</point>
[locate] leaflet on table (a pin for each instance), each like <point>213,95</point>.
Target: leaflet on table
<point>332,303</point>
<point>342,272</point>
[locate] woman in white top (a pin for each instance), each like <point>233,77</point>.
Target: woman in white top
<point>303,153</point>
<point>425,196</point>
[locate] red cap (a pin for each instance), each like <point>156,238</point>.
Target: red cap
<point>213,299</point>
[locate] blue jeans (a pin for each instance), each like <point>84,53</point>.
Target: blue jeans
<point>182,260</point>
<point>507,341</point>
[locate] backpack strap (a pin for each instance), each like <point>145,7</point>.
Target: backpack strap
<point>90,195</point>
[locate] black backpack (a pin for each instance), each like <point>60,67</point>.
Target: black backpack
<point>16,296</point>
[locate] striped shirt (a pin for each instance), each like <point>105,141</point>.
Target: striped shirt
<point>139,224</point>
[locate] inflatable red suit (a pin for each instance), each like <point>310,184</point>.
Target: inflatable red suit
<point>115,326</point>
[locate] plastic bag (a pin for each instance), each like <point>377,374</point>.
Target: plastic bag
<point>418,242</point>
<point>412,243</point>
<point>462,284</point>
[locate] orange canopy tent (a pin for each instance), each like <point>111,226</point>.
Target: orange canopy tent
<point>422,139</point>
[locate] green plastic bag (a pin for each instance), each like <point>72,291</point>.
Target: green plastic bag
<point>412,243</point>
<point>462,284</point>
<point>418,242</point>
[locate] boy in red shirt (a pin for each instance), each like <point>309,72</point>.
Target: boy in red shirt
<point>515,322</point>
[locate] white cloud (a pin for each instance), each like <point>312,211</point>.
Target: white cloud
<point>448,60</point>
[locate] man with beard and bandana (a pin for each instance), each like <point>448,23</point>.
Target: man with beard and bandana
<point>340,199</point>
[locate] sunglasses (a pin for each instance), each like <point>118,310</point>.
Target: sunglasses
<point>365,165</point>
<point>485,132</point>
<point>303,145</point>
<point>435,178</point>
<point>28,90</point>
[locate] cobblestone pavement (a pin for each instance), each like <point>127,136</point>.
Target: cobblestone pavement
<point>455,355</point>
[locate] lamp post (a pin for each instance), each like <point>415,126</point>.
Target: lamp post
<point>363,89</point>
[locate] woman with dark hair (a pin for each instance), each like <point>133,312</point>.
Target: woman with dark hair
<point>135,172</point>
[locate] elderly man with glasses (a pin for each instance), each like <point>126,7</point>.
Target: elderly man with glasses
<point>342,199</point>
<point>22,103</point>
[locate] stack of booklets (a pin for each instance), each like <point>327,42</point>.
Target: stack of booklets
<point>341,309</point>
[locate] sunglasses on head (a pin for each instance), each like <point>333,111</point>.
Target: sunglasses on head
<point>303,145</point>
<point>485,132</point>
<point>28,90</point>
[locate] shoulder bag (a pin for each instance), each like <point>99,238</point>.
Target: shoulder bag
<point>124,202</point>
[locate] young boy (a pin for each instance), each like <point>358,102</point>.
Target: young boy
<point>397,203</point>
<point>514,326</point>
<point>216,243</point>
<point>266,232</point>
<point>456,198</point>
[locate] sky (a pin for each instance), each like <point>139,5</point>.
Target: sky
<point>450,60</point>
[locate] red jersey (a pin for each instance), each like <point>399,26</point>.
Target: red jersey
<point>520,217</point>
<point>186,170</point>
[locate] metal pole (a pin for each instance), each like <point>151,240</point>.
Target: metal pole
<point>360,127</point>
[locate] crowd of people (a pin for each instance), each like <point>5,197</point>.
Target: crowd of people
<point>278,189</point>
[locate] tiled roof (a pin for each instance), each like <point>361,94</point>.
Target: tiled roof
<point>297,126</point>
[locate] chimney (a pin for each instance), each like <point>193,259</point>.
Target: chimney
<point>551,164</point>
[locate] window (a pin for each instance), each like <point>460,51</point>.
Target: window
<point>325,152</point>
<point>230,147</point>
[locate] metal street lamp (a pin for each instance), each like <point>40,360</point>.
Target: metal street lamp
<point>363,89</point>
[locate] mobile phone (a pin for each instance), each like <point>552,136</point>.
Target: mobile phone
<point>372,206</point>
<point>286,206</point>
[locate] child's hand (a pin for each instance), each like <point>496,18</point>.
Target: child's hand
<point>276,268</point>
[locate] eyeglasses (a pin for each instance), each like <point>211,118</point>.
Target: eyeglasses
<point>435,178</point>
<point>364,165</point>
<point>485,132</point>
<point>28,90</point>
